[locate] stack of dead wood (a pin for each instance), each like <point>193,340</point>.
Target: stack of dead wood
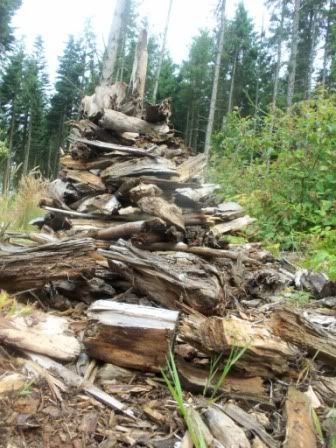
<point>133,231</point>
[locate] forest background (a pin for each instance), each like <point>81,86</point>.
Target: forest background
<point>260,103</point>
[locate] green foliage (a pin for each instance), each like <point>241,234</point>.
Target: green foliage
<point>216,376</point>
<point>284,171</point>
<point>317,425</point>
<point>173,383</point>
<point>7,10</point>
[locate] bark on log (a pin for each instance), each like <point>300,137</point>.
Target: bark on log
<point>36,266</point>
<point>158,113</point>
<point>169,280</point>
<point>299,428</point>
<point>120,123</point>
<point>131,336</point>
<point>266,354</point>
<point>85,178</point>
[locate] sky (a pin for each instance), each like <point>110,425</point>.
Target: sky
<point>54,20</point>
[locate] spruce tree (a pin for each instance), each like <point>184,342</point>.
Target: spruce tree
<point>7,10</point>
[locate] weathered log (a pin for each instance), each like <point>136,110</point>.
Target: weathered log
<point>108,147</point>
<point>99,163</point>
<point>193,167</point>
<point>129,229</point>
<point>36,266</point>
<point>196,379</point>
<point>303,329</point>
<point>265,355</point>
<point>136,337</point>
<point>136,168</point>
<point>232,226</point>
<point>103,204</point>
<point>169,280</point>
<point>40,333</point>
<point>144,190</point>
<point>189,197</point>
<point>157,206</point>
<point>225,430</point>
<point>299,427</point>
<point>85,178</point>
<point>120,123</point>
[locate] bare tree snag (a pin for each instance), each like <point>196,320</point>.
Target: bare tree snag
<point>136,88</point>
<point>113,43</point>
<point>299,428</point>
<point>131,336</point>
<point>105,97</point>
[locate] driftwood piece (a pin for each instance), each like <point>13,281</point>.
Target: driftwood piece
<point>104,204</point>
<point>196,379</point>
<point>225,430</point>
<point>120,123</point>
<point>73,380</point>
<point>138,167</point>
<point>299,427</point>
<point>40,333</point>
<point>131,336</point>
<point>107,147</point>
<point>159,207</point>
<point>36,266</point>
<point>170,279</point>
<point>192,167</point>
<point>232,226</point>
<point>304,330</point>
<point>266,354</point>
<point>249,423</point>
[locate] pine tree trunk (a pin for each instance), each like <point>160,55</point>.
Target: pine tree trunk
<point>27,148</point>
<point>113,44</point>
<point>279,57</point>
<point>293,56</point>
<point>326,47</point>
<point>8,169</point>
<point>233,79</point>
<point>314,32</point>
<point>163,47</point>
<point>215,83</point>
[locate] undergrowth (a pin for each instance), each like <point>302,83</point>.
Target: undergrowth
<point>19,208</point>
<point>283,171</point>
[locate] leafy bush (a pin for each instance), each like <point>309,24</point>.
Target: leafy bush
<point>283,170</point>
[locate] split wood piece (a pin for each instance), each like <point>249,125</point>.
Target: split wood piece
<point>169,279</point>
<point>232,226</point>
<point>83,177</point>
<point>225,430</point>
<point>302,329</point>
<point>144,190</point>
<point>299,427</point>
<point>128,150</point>
<point>105,97</point>
<point>40,333</point>
<point>103,204</point>
<point>326,388</point>
<point>206,252</point>
<point>196,379</point>
<point>158,113</point>
<point>167,185</point>
<point>37,266</point>
<point>249,423</point>
<point>226,211</point>
<point>120,123</point>
<point>157,206</point>
<point>193,167</point>
<point>266,354</point>
<point>138,167</point>
<point>127,230</point>
<point>71,379</point>
<point>189,197</point>
<point>137,337</point>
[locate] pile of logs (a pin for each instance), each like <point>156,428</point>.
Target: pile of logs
<point>132,230</point>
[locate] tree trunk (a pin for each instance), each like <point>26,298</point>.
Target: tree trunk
<point>215,84</point>
<point>27,149</point>
<point>163,47</point>
<point>293,56</point>
<point>279,57</point>
<point>7,176</point>
<point>314,31</point>
<point>233,78</point>
<point>113,44</point>
<point>326,47</point>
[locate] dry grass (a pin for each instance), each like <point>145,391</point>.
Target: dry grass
<point>16,210</point>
